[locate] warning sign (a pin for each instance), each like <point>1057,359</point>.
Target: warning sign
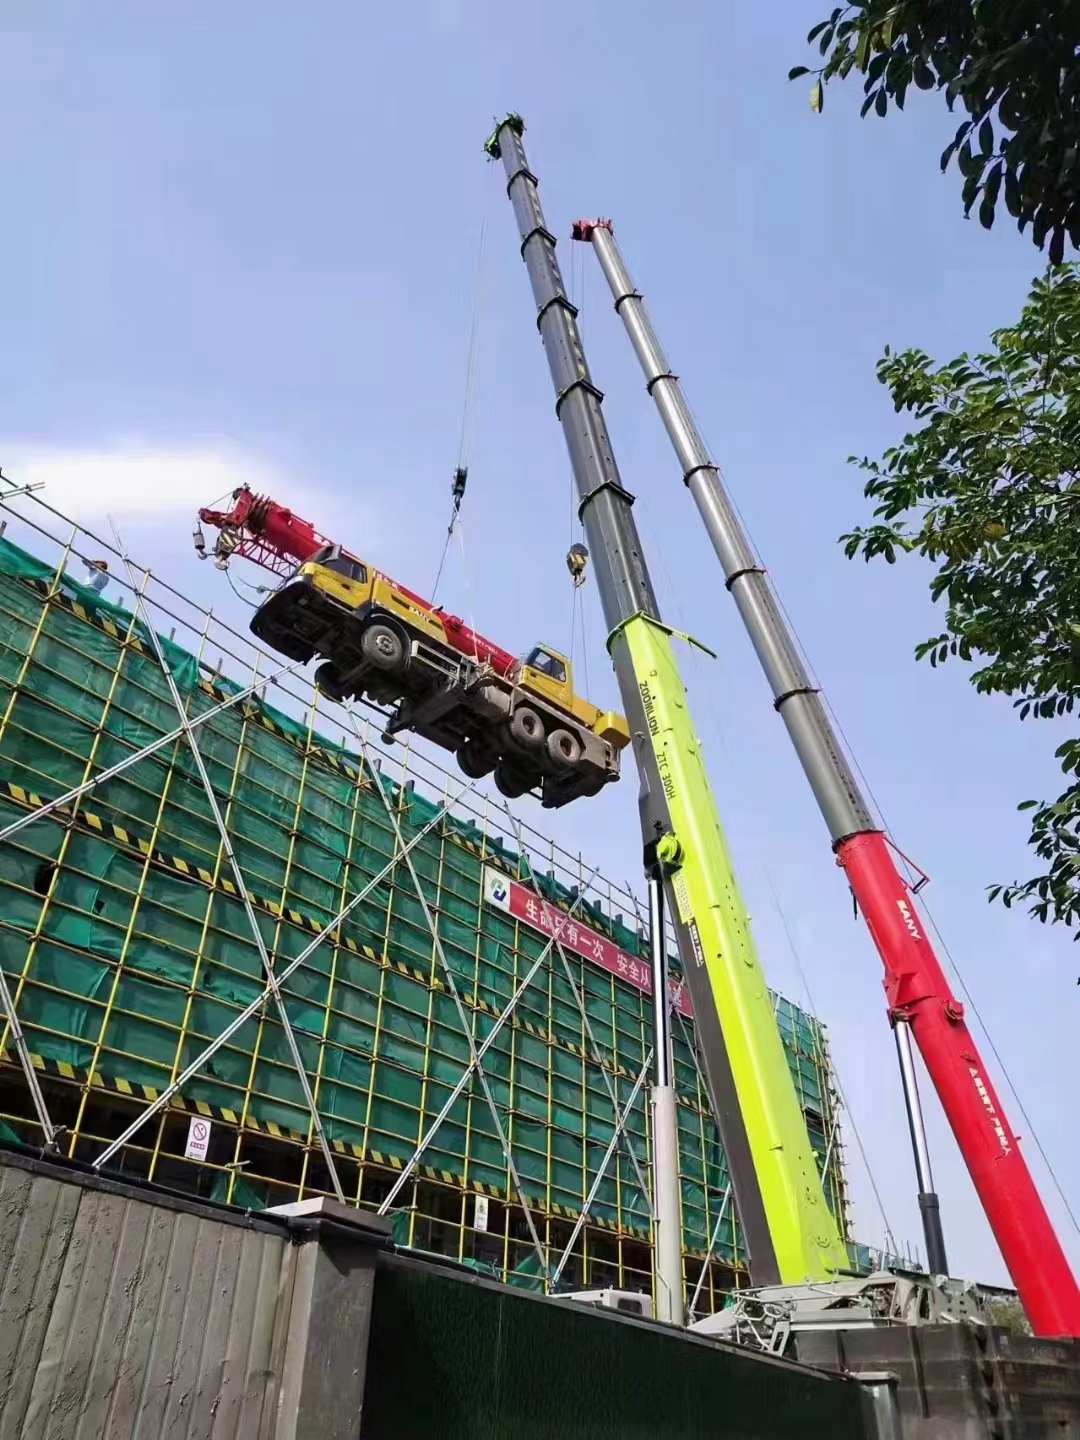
<point>198,1139</point>
<point>480,1213</point>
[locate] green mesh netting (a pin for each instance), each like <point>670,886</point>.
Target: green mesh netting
<point>126,961</point>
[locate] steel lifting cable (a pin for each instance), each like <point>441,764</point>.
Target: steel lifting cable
<point>1001,1065</point>
<point>887,829</point>
<point>712,721</point>
<point>468,406</point>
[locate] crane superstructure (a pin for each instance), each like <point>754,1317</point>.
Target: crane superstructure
<point>257,528</point>
<point>520,720</point>
<point>790,1233</point>
<point>920,1001</point>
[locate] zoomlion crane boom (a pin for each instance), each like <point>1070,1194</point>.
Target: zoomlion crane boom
<point>920,1001</point>
<point>790,1232</point>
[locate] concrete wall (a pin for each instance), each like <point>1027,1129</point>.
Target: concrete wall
<point>964,1382</point>
<point>128,1314</point>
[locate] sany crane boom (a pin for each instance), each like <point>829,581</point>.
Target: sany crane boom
<point>257,528</point>
<point>917,990</point>
<point>790,1233</point>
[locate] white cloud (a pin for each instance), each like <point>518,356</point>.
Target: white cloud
<point>139,482</point>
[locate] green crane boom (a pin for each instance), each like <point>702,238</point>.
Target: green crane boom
<point>790,1233</point>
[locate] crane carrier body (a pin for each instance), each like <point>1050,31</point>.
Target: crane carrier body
<point>519,719</point>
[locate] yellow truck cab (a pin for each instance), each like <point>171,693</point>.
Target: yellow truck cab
<point>380,642</point>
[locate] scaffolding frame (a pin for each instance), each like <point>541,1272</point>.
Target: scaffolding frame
<point>596,1070</point>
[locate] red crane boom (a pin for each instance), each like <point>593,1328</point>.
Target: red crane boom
<point>259,529</point>
<point>917,991</point>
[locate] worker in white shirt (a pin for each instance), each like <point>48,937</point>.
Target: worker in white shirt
<point>97,575</point>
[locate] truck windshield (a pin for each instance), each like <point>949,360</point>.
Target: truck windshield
<point>548,664</point>
<point>332,557</point>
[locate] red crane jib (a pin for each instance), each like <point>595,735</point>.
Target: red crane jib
<point>272,536</point>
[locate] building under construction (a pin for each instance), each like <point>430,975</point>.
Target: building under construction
<point>128,953</point>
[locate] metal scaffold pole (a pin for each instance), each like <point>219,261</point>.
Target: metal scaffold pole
<point>667,1223</point>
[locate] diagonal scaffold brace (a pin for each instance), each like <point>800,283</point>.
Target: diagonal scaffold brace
<point>255,1005</point>
<point>272,979</point>
<point>455,995</point>
<point>554,919</point>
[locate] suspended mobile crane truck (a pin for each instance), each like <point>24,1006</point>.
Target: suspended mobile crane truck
<point>441,680</point>
<point>790,1232</point>
<point>920,1002</point>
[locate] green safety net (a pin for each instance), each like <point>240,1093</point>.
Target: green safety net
<point>128,954</point>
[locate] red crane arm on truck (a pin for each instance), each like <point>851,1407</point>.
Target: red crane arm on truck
<point>272,536</point>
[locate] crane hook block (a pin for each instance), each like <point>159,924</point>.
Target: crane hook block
<point>576,559</point>
<point>461,474</point>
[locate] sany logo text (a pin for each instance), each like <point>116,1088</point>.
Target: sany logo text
<point>909,919</point>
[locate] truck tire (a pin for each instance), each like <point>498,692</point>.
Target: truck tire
<point>510,782</point>
<point>328,681</point>
<point>564,748</point>
<point>474,760</point>
<point>382,647</point>
<point>526,728</point>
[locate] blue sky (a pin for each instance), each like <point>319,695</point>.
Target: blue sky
<point>240,242</point>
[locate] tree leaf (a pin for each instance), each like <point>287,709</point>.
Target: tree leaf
<point>1012,193</point>
<point>982,486</point>
<point>1018,87</point>
<point>797,71</point>
<point>817,97</point>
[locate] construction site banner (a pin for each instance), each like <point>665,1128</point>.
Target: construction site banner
<point>526,905</point>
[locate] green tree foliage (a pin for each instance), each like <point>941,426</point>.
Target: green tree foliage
<point>1009,1314</point>
<point>987,489</point>
<point>1011,65</point>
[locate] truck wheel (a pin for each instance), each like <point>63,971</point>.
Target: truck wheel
<point>510,782</point>
<point>564,748</point>
<point>328,681</point>
<point>526,728</point>
<point>383,647</point>
<point>474,760</point>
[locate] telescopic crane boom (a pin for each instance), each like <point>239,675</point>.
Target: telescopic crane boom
<point>259,529</point>
<point>917,991</point>
<point>790,1233</point>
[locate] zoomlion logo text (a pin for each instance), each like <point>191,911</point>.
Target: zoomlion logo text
<point>984,1096</point>
<point>659,751</point>
<point>649,706</point>
<point>909,920</point>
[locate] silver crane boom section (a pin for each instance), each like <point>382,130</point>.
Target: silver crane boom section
<point>795,696</point>
<point>625,592</point>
